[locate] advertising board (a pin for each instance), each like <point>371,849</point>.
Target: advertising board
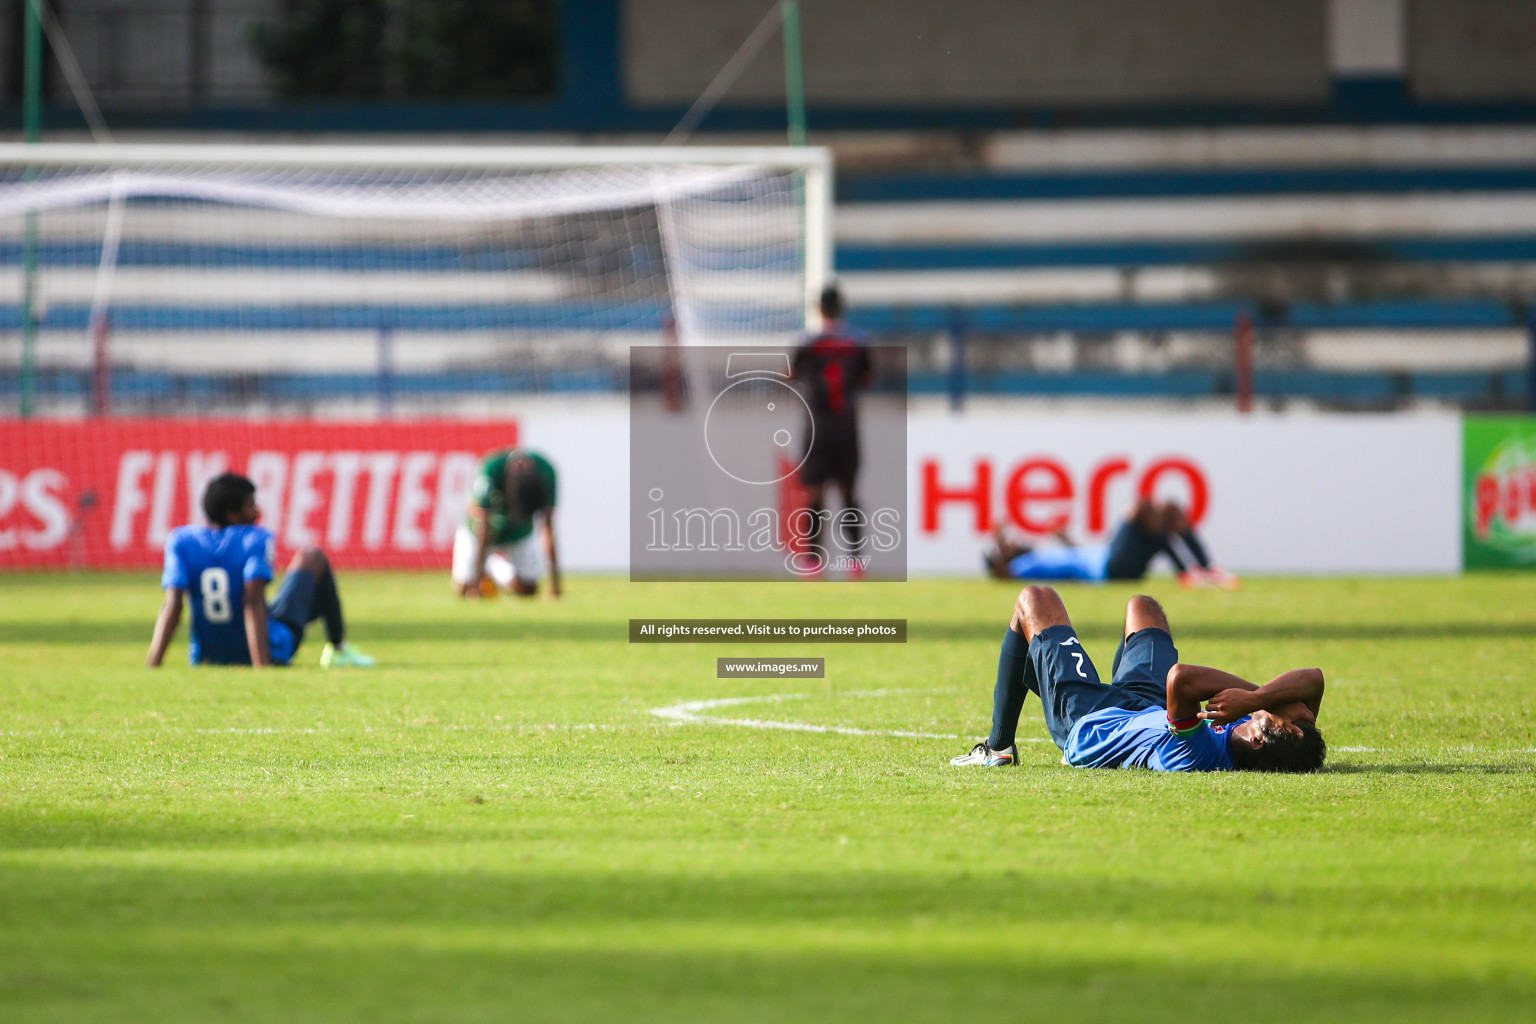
<point>1269,494</point>
<point>1499,484</point>
<point>106,494</point>
<point>1287,494</point>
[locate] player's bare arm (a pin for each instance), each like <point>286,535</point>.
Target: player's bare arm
<point>482,531</point>
<point>1292,696</point>
<point>548,517</point>
<point>256,623</point>
<point>166,624</point>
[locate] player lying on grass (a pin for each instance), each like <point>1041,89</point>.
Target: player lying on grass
<point>1148,530</point>
<point>226,567</point>
<point>1150,715</point>
<point>513,491</point>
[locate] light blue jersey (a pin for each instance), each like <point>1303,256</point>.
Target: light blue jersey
<point>1061,563</point>
<point>213,566</point>
<point>1126,738</point>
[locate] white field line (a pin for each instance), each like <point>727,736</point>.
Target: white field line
<point>688,713</point>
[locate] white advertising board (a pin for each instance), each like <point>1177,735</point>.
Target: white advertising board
<point>1307,494</point>
<point>1271,494</point>
<point>590,450</point>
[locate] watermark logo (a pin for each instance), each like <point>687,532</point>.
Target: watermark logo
<point>760,464</point>
<point>759,388</point>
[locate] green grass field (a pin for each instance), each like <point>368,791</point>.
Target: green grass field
<point>494,826</point>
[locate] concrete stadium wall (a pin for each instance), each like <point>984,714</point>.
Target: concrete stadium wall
<point>152,55</point>
<point>991,51</point>
<point>1471,49</point>
<point>632,65</point>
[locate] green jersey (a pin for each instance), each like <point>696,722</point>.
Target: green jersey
<point>489,491</point>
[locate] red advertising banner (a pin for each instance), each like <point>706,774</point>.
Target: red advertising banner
<point>105,494</point>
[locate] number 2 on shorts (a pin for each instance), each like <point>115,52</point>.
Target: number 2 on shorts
<point>1077,656</point>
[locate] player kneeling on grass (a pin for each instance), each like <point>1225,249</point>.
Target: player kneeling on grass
<point>513,491</point>
<point>226,568</point>
<point>1150,715</point>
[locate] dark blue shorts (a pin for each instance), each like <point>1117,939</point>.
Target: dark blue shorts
<point>1142,663</point>
<point>1131,551</point>
<point>1068,684</point>
<point>295,602</point>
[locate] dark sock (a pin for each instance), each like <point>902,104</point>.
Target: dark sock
<point>328,607</point>
<point>1012,687</point>
<point>1119,652</point>
<point>1195,548</point>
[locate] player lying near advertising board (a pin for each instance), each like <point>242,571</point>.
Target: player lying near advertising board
<point>513,491</point>
<point>1148,530</point>
<point>1149,716</point>
<point>226,567</point>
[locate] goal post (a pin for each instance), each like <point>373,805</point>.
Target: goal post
<point>375,279</point>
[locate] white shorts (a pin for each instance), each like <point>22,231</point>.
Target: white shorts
<point>520,560</point>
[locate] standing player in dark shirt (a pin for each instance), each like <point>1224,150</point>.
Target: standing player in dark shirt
<point>831,368</point>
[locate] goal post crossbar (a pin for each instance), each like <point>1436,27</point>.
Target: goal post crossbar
<point>445,157</point>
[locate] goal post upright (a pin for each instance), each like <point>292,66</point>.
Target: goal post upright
<point>818,231</point>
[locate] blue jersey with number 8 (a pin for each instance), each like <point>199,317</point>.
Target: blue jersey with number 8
<point>213,566</point>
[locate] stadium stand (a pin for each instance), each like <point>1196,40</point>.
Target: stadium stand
<point>1377,267</point>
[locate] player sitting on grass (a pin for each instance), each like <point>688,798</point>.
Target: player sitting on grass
<point>1150,716</point>
<point>226,567</point>
<point>1148,531</point>
<point>513,490</point>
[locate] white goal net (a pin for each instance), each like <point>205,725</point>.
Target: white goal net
<point>363,281</point>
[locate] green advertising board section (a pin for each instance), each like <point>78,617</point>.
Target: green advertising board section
<point>1498,522</point>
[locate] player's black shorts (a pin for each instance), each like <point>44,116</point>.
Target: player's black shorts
<point>834,455</point>
<point>295,602</point>
<point>1068,684</point>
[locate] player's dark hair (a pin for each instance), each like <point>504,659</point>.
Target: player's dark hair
<point>527,492</point>
<point>1283,752</point>
<point>832,302</point>
<point>224,496</point>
